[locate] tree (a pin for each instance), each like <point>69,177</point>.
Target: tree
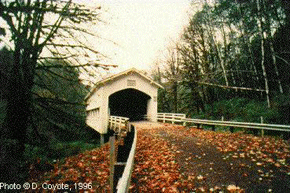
<point>35,30</point>
<point>164,102</point>
<point>171,76</point>
<point>234,49</point>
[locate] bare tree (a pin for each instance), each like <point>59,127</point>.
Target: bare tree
<point>172,73</point>
<point>35,30</point>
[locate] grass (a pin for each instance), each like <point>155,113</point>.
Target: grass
<point>58,151</point>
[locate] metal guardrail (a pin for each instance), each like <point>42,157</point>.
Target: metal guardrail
<point>178,117</point>
<point>262,126</point>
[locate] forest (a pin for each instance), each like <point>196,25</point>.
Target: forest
<point>232,62</point>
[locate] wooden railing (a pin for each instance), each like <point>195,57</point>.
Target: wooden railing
<point>118,123</point>
<point>171,117</point>
<point>122,153</point>
<point>124,182</point>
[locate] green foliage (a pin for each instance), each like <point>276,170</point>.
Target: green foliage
<point>57,128</point>
<point>2,111</point>
<point>229,109</point>
<point>244,110</point>
<point>58,150</point>
<point>59,110</point>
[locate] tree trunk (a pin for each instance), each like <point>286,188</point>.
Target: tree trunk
<point>276,67</point>
<point>263,52</point>
<point>246,40</point>
<point>268,24</point>
<point>223,60</point>
<point>175,99</point>
<point>15,125</point>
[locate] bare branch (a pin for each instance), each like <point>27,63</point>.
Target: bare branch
<point>231,87</point>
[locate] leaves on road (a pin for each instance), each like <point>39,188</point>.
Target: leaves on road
<point>155,167</point>
<point>222,159</point>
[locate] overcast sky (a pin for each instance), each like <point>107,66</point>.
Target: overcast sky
<point>141,30</point>
<point>136,32</point>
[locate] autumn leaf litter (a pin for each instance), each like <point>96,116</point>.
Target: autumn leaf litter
<point>171,158</point>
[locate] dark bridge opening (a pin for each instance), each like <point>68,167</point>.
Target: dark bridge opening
<point>129,103</point>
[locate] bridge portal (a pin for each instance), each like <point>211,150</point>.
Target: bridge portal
<point>129,103</point>
<point>129,94</point>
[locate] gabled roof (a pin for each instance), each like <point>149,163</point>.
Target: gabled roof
<point>124,73</point>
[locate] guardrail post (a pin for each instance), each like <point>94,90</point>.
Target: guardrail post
<point>262,131</point>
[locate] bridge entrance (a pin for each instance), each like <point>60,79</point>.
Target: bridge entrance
<point>129,103</point>
<point>129,94</point>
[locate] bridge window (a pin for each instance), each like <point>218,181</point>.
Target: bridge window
<point>94,112</point>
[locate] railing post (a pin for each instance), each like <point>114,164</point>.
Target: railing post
<point>112,162</point>
<point>102,139</point>
<point>119,125</point>
<point>184,122</point>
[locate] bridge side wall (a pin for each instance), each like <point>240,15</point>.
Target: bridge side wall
<point>96,108</point>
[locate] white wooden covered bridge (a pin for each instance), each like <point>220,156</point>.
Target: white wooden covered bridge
<point>129,94</point>
<point>134,95</point>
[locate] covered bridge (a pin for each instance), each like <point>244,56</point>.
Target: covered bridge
<point>129,94</point>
